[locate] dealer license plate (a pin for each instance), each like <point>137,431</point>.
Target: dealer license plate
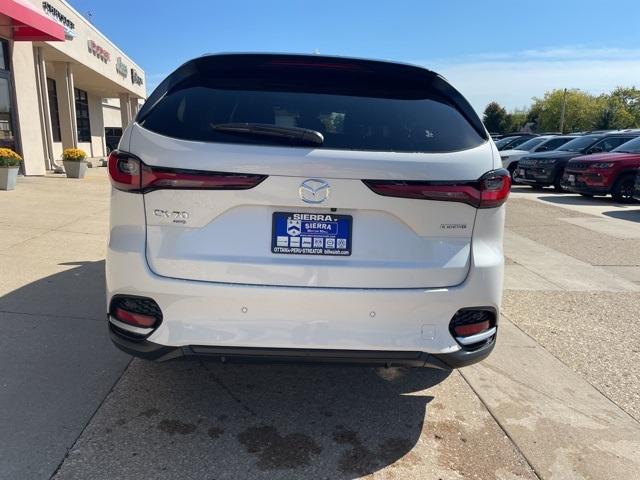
<point>311,233</point>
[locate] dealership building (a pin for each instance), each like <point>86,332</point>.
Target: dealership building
<point>63,84</point>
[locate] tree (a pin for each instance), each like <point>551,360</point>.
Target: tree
<point>516,120</point>
<point>630,98</point>
<point>612,114</point>
<point>580,111</point>
<point>495,118</point>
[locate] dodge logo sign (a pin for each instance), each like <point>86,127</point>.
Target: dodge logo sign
<point>314,191</point>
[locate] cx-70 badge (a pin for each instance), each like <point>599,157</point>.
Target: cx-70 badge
<point>314,190</point>
<point>174,215</point>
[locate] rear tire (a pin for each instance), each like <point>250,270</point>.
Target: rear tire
<point>622,191</point>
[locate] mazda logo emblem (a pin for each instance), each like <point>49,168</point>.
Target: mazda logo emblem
<point>314,190</point>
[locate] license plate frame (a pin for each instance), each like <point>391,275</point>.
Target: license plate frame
<point>302,233</point>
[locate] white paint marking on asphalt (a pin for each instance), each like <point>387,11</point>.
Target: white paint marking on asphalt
<point>562,270</point>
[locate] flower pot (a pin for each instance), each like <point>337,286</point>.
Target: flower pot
<point>75,169</point>
<point>8,177</point>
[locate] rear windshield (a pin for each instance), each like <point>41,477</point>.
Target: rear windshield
<point>367,114</point>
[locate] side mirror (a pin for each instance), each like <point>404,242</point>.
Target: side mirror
<point>594,150</point>
<point>543,149</point>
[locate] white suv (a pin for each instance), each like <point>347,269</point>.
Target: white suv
<point>307,209</point>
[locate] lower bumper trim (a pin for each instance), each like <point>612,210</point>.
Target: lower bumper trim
<point>160,353</point>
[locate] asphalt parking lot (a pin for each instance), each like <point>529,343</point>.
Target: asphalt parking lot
<point>559,398</point>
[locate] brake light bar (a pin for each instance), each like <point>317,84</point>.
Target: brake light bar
<point>130,174</point>
<point>490,191</point>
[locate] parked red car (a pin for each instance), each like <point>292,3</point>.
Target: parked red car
<point>605,173</point>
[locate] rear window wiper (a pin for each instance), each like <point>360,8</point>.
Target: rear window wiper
<point>293,134</point>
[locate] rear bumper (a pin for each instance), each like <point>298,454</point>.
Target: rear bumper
<point>537,175</point>
<point>586,189</point>
<point>317,320</point>
<point>162,353</point>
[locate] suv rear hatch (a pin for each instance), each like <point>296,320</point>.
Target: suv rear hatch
<point>392,125</point>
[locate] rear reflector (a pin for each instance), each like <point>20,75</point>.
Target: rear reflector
<point>129,174</point>
<point>473,327</point>
<point>135,319</point>
<point>139,316</point>
<point>491,190</point>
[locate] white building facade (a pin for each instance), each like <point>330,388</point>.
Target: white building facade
<point>63,84</point>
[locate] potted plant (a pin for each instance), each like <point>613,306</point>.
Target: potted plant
<point>73,161</point>
<point>9,164</point>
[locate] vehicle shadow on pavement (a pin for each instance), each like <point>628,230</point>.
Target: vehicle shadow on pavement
<point>57,364</point>
<point>573,199</point>
<point>254,421</point>
<point>628,215</point>
<point>77,292</point>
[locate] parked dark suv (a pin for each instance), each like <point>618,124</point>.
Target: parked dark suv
<point>547,169</point>
<point>605,173</point>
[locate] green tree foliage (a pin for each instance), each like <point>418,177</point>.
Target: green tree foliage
<point>630,98</point>
<point>516,120</point>
<point>495,118</point>
<point>619,109</point>
<point>612,114</point>
<point>580,111</point>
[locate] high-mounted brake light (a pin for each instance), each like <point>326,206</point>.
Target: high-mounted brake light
<point>129,174</point>
<point>491,190</point>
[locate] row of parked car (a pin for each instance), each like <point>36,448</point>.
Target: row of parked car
<point>593,163</point>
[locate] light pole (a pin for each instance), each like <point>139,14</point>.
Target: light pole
<point>564,106</point>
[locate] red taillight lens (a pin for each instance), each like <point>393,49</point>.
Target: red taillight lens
<point>135,319</point>
<point>130,174</point>
<point>471,329</point>
<point>130,314</point>
<point>492,190</point>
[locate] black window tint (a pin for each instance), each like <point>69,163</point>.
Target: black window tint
<point>360,106</point>
<point>555,143</point>
<point>610,143</point>
<point>579,144</point>
<point>82,115</point>
<point>346,122</point>
<point>632,146</point>
<point>517,142</point>
<point>53,109</point>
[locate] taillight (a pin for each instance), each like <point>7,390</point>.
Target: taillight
<point>491,190</point>
<point>472,327</point>
<point>128,173</point>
